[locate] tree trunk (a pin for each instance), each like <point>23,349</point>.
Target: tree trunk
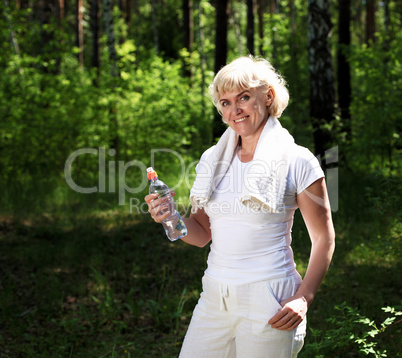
<point>13,38</point>
<point>344,84</point>
<point>95,58</point>
<point>80,32</point>
<point>60,18</point>
<point>202,55</point>
<point>128,13</point>
<point>45,8</point>
<point>111,41</point>
<point>221,31</point>
<point>48,17</point>
<point>292,17</point>
<point>109,30</point>
<point>202,134</point>
<point>387,19</point>
<point>188,38</point>
<point>122,8</point>
<point>250,26</point>
<point>358,22</point>
<point>155,27</point>
<point>387,29</point>
<point>294,47</point>
<point>135,16</point>
<point>188,35</point>
<point>122,4</point>
<point>274,4</point>
<point>370,21</point>
<point>261,11</point>
<point>322,93</point>
<point>61,10</point>
<point>234,16</point>
<point>66,8</point>
<point>292,33</point>
<point>21,4</point>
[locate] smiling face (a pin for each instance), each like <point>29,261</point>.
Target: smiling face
<point>246,111</point>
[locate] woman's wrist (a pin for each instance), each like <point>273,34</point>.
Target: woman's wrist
<point>307,297</point>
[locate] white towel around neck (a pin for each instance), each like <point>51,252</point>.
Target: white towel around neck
<point>266,179</point>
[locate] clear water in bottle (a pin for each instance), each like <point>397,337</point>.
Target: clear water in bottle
<point>174,225</point>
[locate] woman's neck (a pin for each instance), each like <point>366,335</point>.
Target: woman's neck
<point>246,150</point>
<point>248,145</point>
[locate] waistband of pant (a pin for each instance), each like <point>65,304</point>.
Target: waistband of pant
<point>213,282</point>
<point>225,290</point>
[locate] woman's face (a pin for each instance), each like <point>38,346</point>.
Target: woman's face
<point>246,111</point>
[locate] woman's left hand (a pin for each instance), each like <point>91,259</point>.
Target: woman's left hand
<point>293,311</point>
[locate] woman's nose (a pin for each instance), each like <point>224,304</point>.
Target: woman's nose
<point>235,110</point>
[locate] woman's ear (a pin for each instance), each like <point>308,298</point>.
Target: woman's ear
<point>270,97</point>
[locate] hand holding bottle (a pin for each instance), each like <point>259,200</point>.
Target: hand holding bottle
<point>162,209</point>
<point>158,207</point>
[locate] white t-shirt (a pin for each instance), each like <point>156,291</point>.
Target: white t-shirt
<point>250,246</point>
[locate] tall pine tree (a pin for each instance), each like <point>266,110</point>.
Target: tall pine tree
<point>322,90</point>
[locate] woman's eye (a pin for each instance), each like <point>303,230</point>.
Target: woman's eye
<point>224,104</point>
<point>245,98</point>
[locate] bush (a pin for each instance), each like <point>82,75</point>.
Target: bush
<point>351,333</point>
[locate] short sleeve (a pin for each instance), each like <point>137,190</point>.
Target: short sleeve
<point>203,159</point>
<point>307,169</point>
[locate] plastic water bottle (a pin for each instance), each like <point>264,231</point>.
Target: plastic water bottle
<point>174,225</point>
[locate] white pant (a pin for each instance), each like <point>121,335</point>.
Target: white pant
<point>231,321</point>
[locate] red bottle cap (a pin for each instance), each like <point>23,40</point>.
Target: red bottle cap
<point>151,173</point>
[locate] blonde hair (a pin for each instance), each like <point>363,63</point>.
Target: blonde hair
<point>247,73</point>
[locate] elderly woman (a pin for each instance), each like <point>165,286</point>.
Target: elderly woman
<point>247,188</point>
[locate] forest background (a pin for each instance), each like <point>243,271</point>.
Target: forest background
<point>92,92</point>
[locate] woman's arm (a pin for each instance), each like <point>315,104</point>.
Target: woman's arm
<point>199,230</point>
<point>314,206</point>
<point>198,226</point>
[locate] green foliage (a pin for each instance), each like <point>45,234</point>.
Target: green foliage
<point>285,44</point>
<point>351,332</point>
<point>156,106</point>
<point>376,107</point>
<point>206,24</point>
<point>46,117</point>
<point>168,15</point>
<point>43,118</point>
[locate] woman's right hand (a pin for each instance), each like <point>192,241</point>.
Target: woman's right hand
<point>158,207</point>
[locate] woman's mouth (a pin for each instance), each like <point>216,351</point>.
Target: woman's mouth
<point>240,120</point>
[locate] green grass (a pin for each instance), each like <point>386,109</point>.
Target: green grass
<point>94,286</point>
<point>109,284</point>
